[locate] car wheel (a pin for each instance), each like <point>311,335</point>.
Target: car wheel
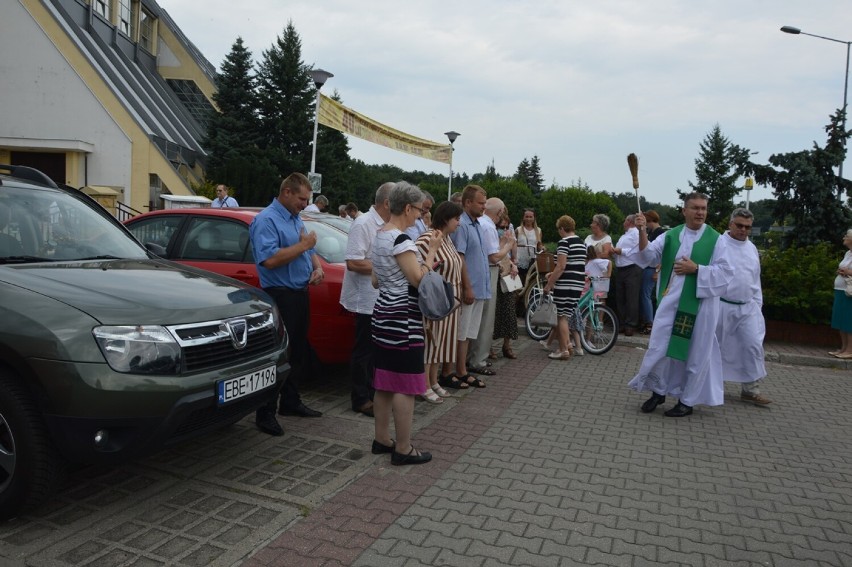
<point>30,467</point>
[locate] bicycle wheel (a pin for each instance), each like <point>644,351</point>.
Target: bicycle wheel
<point>535,332</point>
<point>600,328</point>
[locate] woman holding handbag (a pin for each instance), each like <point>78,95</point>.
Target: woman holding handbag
<point>505,318</point>
<point>566,282</point>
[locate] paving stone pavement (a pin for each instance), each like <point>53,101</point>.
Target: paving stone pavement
<point>551,464</point>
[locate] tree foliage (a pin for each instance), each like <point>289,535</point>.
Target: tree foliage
<point>796,282</point>
<point>287,98</point>
<point>807,189</point>
<point>719,165</point>
<point>529,173</point>
<point>233,141</point>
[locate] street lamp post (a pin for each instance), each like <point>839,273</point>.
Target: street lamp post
<point>797,31</point>
<point>749,185</point>
<point>319,77</point>
<point>451,135</point>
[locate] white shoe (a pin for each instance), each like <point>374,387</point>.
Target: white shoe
<point>545,345</point>
<point>556,355</point>
<point>579,352</point>
<point>432,397</point>
<point>440,391</point>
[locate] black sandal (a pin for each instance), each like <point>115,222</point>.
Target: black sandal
<point>485,371</point>
<point>452,381</point>
<point>472,381</point>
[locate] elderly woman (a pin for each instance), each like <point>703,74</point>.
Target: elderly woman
<point>397,327</point>
<point>599,235</point>
<point>841,311</point>
<point>442,336</point>
<point>567,281</point>
<point>505,317</point>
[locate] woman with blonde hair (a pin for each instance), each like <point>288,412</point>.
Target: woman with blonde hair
<point>566,282</point>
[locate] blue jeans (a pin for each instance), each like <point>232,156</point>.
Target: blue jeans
<point>646,304</point>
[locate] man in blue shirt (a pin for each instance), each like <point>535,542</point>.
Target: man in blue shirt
<point>287,264</point>
<point>223,200</point>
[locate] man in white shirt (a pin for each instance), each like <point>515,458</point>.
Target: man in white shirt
<point>222,200</point>
<point>319,205</point>
<point>628,277</point>
<point>358,296</point>
<point>496,247</point>
<point>741,327</point>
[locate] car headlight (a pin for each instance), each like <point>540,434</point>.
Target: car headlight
<point>144,349</point>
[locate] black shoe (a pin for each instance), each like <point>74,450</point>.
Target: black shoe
<point>378,448</point>
<point>652,402</point>
<point>268,424</point>
<point>412,458</point>
<point>366,408</point>
<point>680,410</point>
<point>300,410</point>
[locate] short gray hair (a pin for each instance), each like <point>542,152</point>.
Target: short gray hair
<point>742,213</point>
<point>321,200</point>
<point>602,220</point>
<point>428,197</point>
<point>402,195</point>
<point>383,192</point>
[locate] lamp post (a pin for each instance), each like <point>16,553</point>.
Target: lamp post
<point>749,185</point>
<point>451,135</point>
<point>319,77</point>
<point>797,31</point>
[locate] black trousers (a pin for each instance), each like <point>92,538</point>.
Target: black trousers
<point>628,288</point>
<point>361,364</point>
<point>294,307</point>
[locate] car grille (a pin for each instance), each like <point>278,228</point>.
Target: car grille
<point>211,344</point>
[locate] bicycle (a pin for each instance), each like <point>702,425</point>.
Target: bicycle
<point>537,275</point>
<point>600,323</point>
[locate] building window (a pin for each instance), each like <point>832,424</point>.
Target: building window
<point>146,30</point>
<point>101,7</point>
<point>193,99</point>
<point>125,18</point>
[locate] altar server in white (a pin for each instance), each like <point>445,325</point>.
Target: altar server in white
<point>741,327</point>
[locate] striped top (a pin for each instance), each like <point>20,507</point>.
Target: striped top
<point>569,286</point>
<point>397,321</point>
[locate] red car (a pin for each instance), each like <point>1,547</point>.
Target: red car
<point>217,240</point>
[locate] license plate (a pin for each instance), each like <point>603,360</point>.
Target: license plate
<point>235,388</point>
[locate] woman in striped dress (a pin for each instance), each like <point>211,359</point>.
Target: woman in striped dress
<point>397,325</point>
<point>566,282</point>
<point>442,336</point>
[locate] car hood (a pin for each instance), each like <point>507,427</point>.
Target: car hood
<point>137,291</point>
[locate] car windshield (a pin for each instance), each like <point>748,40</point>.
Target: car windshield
<point>331,242</point>
<point>48,225</point>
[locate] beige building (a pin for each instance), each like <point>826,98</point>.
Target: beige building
<point>104,94</point>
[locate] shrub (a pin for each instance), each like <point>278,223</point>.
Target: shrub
<point>798,283</point>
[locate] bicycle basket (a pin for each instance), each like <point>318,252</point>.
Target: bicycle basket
<point>600,285</point>
<point>545,262</point>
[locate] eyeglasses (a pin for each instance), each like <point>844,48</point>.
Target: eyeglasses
<point>422,211</point>
<point>742,226</point>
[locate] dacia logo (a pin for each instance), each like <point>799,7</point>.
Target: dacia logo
<point>238,330</point>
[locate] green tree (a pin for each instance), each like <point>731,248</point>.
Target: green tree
<point>719,165</point>
<point>287,99</point>
<point>807,189</point>
<point>232,140</point>
<point>529,172</point>
<point>580,203</point>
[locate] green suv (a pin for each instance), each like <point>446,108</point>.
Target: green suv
<point>108,353</point>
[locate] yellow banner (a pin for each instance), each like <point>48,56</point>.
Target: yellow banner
<point>335,115</point>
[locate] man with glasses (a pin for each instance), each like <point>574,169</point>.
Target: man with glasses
<point>741,327</point>
<point>223,200</point>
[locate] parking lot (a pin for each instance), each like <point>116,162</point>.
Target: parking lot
<point>552,464</point>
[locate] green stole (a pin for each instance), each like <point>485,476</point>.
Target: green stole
<point>687,307</point>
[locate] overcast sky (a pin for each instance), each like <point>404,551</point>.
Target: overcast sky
<point>580,84</point>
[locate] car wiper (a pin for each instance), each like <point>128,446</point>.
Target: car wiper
<point>24,259</point>
<point>102,257</point>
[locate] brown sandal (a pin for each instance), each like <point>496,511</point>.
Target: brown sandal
<point>509,353</point>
